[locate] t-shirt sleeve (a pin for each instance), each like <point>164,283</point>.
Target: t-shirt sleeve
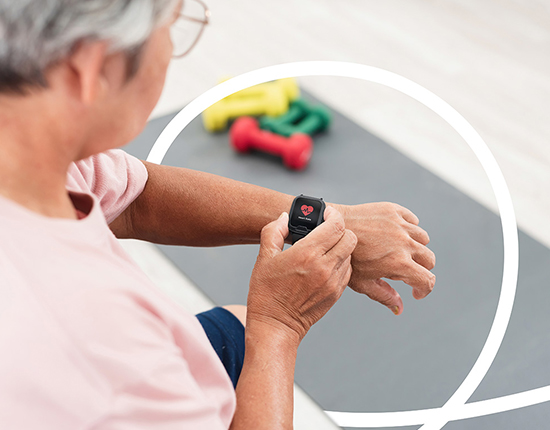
<point>115,177</point>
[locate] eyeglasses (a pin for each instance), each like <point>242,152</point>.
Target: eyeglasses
<point>188,28</point>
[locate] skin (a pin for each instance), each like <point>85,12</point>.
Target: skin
<point>289,290</point>
<point>391,244</point>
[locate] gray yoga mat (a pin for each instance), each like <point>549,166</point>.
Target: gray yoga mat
<point>361,357</point>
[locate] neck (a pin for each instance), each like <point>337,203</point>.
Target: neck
<point>34,157</point>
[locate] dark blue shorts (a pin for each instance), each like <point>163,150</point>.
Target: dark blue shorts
<point>226,334</point>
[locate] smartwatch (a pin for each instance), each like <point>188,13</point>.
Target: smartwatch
<point>305,214</point>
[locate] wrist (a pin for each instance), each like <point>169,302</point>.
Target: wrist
<point>340,208</point>
<point>270,332</point>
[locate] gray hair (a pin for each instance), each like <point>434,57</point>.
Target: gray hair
<point>36,33</point>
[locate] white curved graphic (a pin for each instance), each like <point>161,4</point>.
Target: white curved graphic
<point>455,407</point>
<point>418,417</point>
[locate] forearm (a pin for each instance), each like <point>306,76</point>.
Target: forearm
<point>265,388</point>
<point>187,207</point>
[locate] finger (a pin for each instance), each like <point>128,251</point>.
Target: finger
<point>345,271</point>
<point>418,234</point>
<point>407,215</point>
<point>347,277</point>
<point>418,277</point>
<point>326,235</point>
<point>382,292</point>
<point>272,238</point>
<point>342,275</point>
<point>343,249</point>
<point>341,267</point>
<point>425,257</point>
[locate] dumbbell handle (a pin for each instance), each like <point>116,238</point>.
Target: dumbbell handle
<point>296,150</point>
<point>294,114</point>
<point>288,86</point>
<point>267,141</point>
<point>245,106</point>
<point>311,122</point>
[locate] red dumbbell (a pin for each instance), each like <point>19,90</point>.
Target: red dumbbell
<point>295,150</point>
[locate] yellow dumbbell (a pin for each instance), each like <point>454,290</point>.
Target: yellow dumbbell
<point>288,86</point>
<point>270,100</point>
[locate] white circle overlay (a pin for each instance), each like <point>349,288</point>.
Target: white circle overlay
<point>455,408</point>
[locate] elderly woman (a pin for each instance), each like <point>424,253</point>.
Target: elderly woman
<point>87,341</point>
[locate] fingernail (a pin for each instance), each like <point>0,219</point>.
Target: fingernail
<point>395,310</point>
<point>282,215</point>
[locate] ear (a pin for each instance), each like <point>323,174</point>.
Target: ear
<point>87,62</point>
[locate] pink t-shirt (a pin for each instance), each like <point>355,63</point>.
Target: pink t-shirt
<point>86,340</point>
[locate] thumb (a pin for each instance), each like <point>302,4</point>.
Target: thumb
<point>273,236</point>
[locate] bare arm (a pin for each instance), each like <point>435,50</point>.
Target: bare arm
<point>265,388</point>
<point>186,207</point>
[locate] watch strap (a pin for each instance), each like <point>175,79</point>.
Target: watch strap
<point>295,237</point>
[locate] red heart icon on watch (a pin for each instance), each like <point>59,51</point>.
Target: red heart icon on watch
<point>306,210</point>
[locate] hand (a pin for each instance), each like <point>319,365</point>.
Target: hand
<point>390,245</point>
<point>293,289</point>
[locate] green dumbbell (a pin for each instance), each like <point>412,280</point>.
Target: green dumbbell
<point>300,118</point>
<point>297,111</point>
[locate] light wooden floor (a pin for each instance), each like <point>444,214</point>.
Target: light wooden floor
<point>489,59</point>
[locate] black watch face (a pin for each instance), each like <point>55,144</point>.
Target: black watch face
<point>306,213</point>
